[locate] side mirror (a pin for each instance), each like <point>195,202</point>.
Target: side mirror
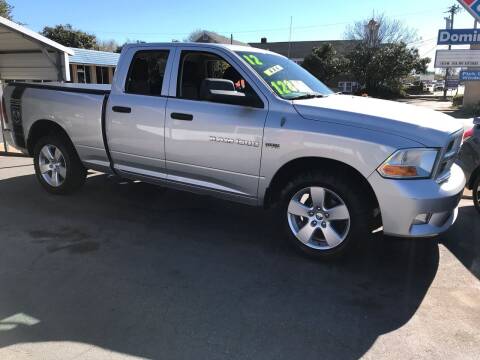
<point>222,90</point>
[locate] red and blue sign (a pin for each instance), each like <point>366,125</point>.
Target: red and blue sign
<point>472,6</point>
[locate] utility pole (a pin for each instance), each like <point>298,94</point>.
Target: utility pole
<point>472,88</point>
<point>452,10</point>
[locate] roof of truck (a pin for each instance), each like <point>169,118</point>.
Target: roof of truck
<point>199,45</point>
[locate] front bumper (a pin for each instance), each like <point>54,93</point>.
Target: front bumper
<point>401,201</point>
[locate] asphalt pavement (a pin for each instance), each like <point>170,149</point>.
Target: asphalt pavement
<point>125,271</point>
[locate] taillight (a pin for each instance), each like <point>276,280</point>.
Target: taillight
<point>468,134</point>
<point>4,110</point>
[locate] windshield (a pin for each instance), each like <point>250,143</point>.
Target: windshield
<point>287,79</point>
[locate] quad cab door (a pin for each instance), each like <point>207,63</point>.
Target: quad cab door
<point>215,145</point>
<point>135,114</point>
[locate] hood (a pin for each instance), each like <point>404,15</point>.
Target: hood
<point>428,127</point>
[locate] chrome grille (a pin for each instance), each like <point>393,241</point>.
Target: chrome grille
<point>448,157</point>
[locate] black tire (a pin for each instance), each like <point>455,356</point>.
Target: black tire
<point>353,197</point>
<point>476,193</point>
<point>75,171</point>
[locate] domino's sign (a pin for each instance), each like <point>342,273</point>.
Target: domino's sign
<point>472,6</point>
<point>458,37</point>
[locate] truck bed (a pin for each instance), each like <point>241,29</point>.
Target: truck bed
<point>77,108</point>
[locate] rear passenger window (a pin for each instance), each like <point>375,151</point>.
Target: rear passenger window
<point>146,73</point>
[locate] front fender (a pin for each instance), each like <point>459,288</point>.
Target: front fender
<point>362,149</point>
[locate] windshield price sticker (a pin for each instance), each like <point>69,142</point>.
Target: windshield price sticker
<point>284,87</point>
<point>252,60</point>
<point>301,86</point>
<point>273,70</point>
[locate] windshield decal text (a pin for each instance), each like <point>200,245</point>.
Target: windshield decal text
<point>273,70</point>
<point>283,87</point>
<point>252,60</point>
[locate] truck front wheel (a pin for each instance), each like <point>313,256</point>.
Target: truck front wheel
<point>324,215</point>
<point>476,193</point>
<point>57,165</point>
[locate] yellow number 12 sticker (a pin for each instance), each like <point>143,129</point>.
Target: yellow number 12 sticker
<point>252,60</point>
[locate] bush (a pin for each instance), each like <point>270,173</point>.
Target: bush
<point>457,100</point>
<point>383,92</point>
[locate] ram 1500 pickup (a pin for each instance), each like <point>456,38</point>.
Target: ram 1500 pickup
<point>251,126</point>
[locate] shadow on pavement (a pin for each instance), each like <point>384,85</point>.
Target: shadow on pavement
<point>463,239</point>
<point>164,274</point>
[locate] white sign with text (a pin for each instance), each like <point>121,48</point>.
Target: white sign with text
<point>457,58</point>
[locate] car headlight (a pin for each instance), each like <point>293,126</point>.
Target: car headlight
<point>410,164</point>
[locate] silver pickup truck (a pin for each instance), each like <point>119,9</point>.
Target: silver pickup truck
<point>251,126</point>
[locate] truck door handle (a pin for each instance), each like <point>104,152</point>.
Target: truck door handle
<point>122,109</point>
<point>180,116</point>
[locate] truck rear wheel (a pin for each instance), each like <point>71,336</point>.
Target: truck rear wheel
<point>324,215</point>
<point>57,165</point>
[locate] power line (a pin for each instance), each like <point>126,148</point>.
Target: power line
<point>421,41</point>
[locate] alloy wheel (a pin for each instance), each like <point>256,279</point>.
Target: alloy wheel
<point>52,165</point>
<point>319,218</point>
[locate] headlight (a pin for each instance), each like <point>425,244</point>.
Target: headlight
<point>409,164</point>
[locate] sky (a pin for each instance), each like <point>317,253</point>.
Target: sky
<point>247,20</point>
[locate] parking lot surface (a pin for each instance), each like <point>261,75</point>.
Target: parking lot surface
<point>126,271</point>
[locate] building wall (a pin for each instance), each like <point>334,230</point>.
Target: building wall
<point>77,76</point>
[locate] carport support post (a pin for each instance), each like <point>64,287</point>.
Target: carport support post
<point>57,62</point>
<point>5,146</point>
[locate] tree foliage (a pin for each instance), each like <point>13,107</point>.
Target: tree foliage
<point>68,36</point>
<point>120,47</point>
<point>194,35</point>
<point>378,70</point>
<point>324,63</point>
<point>384,66</point>
<point>107,45</point>
<point>391,31</point>
<point>6,10</point>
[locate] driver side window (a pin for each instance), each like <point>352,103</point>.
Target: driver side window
<point>196,67</point>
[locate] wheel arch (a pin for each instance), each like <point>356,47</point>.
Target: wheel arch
<point>299,165</point>
<point>41,128</point>
<point>473,178</point>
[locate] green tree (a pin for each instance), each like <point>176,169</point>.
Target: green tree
<point>6,10</point>
<point>68,36</point>
<point>325,64</point>
<point>381,68</point>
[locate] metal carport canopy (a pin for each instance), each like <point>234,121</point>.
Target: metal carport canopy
<point>27,55</point>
